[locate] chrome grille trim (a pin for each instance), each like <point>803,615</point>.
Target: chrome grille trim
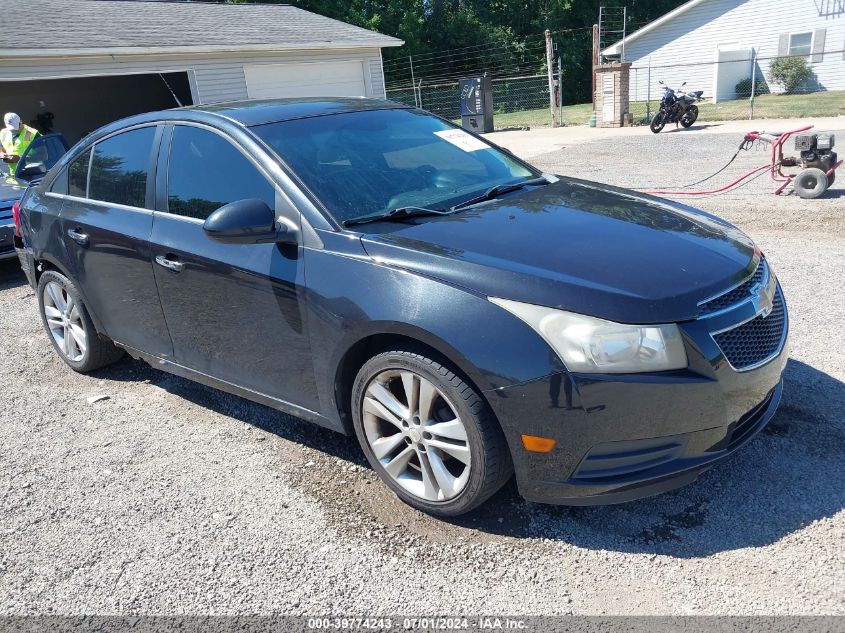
<point>724,301</point>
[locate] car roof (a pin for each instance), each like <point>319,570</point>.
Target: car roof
<point>236,115</point>
<point>257,112</point>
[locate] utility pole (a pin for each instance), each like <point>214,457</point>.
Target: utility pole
<point>550,72</point>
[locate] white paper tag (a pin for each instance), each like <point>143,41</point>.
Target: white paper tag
<point>459,138</point>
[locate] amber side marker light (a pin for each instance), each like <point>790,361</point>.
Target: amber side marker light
<point>537,444</point>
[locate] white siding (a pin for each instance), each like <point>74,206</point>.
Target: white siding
<point>218,77</point>
<point>684,48</point>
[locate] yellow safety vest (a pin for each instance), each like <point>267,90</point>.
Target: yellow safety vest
<point>17,145</point>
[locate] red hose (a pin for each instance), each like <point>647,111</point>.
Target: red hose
<point>704,193</point>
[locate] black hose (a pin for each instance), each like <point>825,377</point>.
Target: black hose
<point>744,145</point>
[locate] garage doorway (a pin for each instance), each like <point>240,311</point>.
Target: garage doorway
<point>82,104</point>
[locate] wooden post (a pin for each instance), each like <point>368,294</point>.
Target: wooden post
<point>550,72</point>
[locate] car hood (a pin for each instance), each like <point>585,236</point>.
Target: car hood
<point>11,188</point>
<point>578,246</point>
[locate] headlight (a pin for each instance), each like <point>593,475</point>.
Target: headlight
<point>589,345</point>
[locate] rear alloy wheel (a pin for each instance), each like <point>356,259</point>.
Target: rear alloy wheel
<point>70,327</point>
<point>690,116</point>
<point>428,434</point>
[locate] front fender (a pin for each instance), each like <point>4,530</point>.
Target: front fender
<point>352,298</point>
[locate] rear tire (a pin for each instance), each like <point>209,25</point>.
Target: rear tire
<point>69,326</point>
<point>810,183</point>
<point>690,116</point>
<point>442,452</point>
<point>658,122</point>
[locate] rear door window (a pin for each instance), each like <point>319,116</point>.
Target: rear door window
<point>120,168</point>
<point>78,175</point>
<point>206,171</point>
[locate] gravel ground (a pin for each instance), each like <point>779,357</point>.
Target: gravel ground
<point>172,498</point>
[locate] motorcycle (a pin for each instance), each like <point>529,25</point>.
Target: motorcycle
<point>676,107</point>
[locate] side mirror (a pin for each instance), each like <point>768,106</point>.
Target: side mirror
<point>248,221</point>
<point>31,170</point>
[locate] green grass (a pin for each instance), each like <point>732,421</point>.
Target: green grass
<point>816,104</point>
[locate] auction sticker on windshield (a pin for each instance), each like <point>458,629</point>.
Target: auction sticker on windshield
<point>459,138</point>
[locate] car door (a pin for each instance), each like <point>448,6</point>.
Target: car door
<point>106,220</point>
<point>234,311</point>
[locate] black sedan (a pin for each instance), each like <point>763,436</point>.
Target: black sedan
<point>378,271</point>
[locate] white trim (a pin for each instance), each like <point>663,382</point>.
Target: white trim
<point>193,50</point>
<point>615,49</point>
<point>150,71</point>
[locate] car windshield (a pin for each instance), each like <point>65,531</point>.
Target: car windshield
<point>364,163</point>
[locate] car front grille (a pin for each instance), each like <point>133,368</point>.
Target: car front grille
<point>740,293</point>
<point>756,341</point>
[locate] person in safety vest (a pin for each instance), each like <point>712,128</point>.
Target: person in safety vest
<point>14,139</point>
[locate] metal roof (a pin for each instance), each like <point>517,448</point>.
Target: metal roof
<point>615,48</point>
<point>88,27</point>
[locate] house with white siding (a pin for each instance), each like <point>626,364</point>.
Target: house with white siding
<point>74,65</point>
<point>713,44</point>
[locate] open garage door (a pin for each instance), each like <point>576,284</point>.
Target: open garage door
<point>78,105</point>
<point>317,79</point>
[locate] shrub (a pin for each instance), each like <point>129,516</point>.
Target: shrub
<point>743,88</point>
<point>792,73</point>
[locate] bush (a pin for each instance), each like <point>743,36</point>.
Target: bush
<point>792,73</point>
<point>743,88</point>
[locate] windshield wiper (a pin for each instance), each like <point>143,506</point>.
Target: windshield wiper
<point>400,213</point>
<point>498,190</point>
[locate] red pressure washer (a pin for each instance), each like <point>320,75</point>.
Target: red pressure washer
<point>817,160</point>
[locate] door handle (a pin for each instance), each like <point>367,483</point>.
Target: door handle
<point>169,264</point>
<point>78,236</point>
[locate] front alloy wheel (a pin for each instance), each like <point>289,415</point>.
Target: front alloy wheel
<point>416,435</point>
<point>428,434</point>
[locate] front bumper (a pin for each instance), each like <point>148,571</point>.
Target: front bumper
<point>622,437</point>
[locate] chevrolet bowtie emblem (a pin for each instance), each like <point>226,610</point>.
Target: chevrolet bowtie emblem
<point>762,300</point>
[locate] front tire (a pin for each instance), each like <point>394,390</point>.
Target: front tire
<point>690,116</point>
<point>658,122</point>
<point>69,325</point>
<point>428,434</point>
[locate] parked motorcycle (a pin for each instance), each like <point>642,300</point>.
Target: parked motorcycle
<point>676,107</point>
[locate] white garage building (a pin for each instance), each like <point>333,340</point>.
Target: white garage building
<point>89,62</point>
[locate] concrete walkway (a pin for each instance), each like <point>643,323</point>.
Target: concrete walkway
<point>537,141</point>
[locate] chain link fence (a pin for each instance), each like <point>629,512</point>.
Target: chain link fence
<point>521,101</point>
<point>815,88</point>
<point>756,87</point>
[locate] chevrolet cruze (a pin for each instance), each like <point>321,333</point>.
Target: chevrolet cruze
<point>376,270</point>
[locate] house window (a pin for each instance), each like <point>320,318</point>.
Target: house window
<point>800,43</point>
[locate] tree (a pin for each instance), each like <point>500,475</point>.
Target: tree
<point>470,36</point>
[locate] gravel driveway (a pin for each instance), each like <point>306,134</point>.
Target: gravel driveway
<point>172,498</point>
